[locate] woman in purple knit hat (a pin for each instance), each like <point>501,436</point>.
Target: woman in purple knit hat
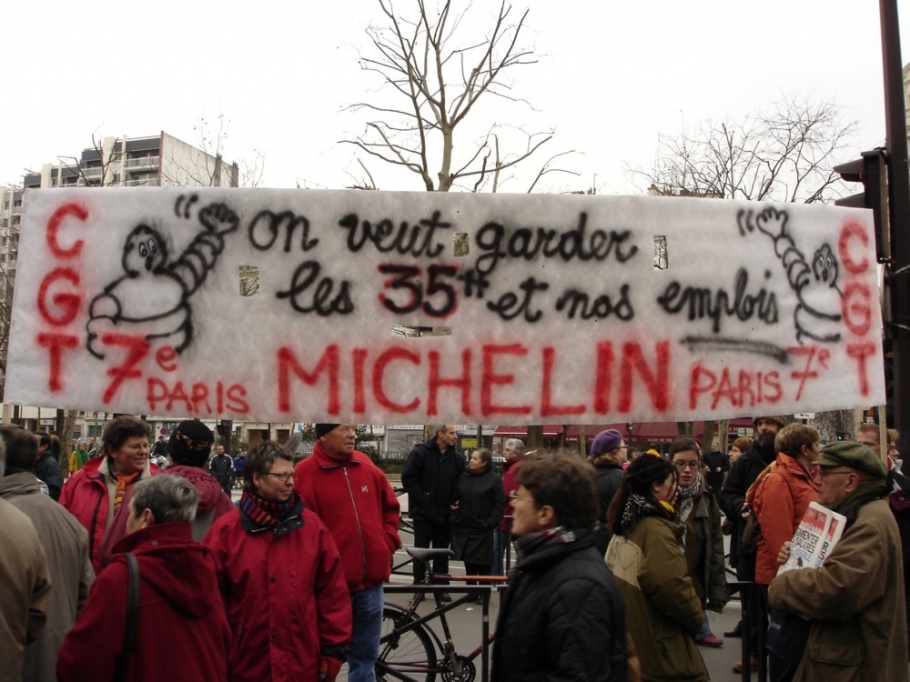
<point>608,454</point>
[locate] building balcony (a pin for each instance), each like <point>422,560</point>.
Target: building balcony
<point>143,162</point>
<point>143,182</point>
<point>92,172</point>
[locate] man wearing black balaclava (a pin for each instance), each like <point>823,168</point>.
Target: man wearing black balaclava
<point>733,497</point>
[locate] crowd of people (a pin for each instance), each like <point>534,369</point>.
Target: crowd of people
<point>620,558</point>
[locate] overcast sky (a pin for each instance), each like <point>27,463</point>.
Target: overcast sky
<point>612,76</point>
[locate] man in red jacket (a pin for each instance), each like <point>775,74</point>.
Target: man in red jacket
<point>356,502</point>
<point>178,595</point>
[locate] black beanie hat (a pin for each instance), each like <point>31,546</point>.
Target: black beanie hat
<point>322,429</point>
<point>191,443</point>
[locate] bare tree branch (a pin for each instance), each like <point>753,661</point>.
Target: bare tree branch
<point>436,76</point>
<point>784,154</point>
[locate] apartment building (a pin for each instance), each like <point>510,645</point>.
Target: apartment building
<point>155,160</point>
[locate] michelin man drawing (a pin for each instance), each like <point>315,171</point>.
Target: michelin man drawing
<point>818,311</point>
<point>152,297</point>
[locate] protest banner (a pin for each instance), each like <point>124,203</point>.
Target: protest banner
<point>290,305</point>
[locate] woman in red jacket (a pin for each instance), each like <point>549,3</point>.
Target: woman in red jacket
<point>98,495</point>
<point>282,578</point>
<point>178,596</point>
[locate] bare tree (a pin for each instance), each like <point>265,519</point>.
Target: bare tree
<point>208,169</point>
<point>436,77</point>
<point>785,154</point>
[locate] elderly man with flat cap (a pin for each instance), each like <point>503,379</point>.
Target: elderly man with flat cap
<point>856,599</point>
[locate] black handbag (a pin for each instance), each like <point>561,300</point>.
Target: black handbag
<point>787,635</point>
<point>132,618</point>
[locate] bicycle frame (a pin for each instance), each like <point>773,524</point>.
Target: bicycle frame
<point>450,664</point>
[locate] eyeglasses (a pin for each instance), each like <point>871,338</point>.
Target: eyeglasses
<point>284,477</point>
<point>513,496</point>
<point>686,465</point>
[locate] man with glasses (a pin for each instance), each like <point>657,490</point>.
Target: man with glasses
<point>856,599</point>
<point>281,576</point>
<point>354,499</point>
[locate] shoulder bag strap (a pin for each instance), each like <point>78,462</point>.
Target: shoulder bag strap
<point>132,617</point>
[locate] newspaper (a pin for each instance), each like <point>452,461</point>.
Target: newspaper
<point>815,537</point>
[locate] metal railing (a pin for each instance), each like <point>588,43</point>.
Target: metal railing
<point>142,162</point>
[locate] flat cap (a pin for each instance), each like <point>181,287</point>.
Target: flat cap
<point>849,453</point>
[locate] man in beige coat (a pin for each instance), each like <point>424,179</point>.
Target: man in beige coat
<point>24,586</point>
<point>856,599</point>
<point>65,544</point>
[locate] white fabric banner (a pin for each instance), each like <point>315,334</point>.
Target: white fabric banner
<point>290,305</point>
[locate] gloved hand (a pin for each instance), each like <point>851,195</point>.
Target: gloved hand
<point>329,667</point>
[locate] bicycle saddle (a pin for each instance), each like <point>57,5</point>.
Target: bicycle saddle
<point>425,554</point>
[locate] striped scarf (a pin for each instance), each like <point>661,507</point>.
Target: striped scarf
<point>638,507</point>
<point>263,512</point>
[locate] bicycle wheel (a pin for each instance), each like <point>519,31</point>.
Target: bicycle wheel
<point>408,655</point>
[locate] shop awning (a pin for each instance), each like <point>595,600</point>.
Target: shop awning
<point>657,432</point>
<point>549,431</point>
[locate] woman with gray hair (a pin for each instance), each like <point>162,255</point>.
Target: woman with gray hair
<point>178,594</point>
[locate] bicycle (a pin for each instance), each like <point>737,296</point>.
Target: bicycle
<point>409,650</point>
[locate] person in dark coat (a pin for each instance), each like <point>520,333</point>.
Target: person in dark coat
<point>608,454</point>
<point>429,478</point>
<point>715,465</point>
<point>47,469</point>
<point>562,617</point>
<point>733,503</point>
<point>222,468</point>
<point>476,512</point>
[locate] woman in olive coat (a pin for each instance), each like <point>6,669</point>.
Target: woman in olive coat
<point>663,612</point>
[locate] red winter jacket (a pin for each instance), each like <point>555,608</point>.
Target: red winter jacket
<point>182,632</point>
<point>509,469</point>
<point>354,499</point>
<point>85,495</point>
<point>286,599</point>
<point>213,502</point>
<point>779,498</point>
